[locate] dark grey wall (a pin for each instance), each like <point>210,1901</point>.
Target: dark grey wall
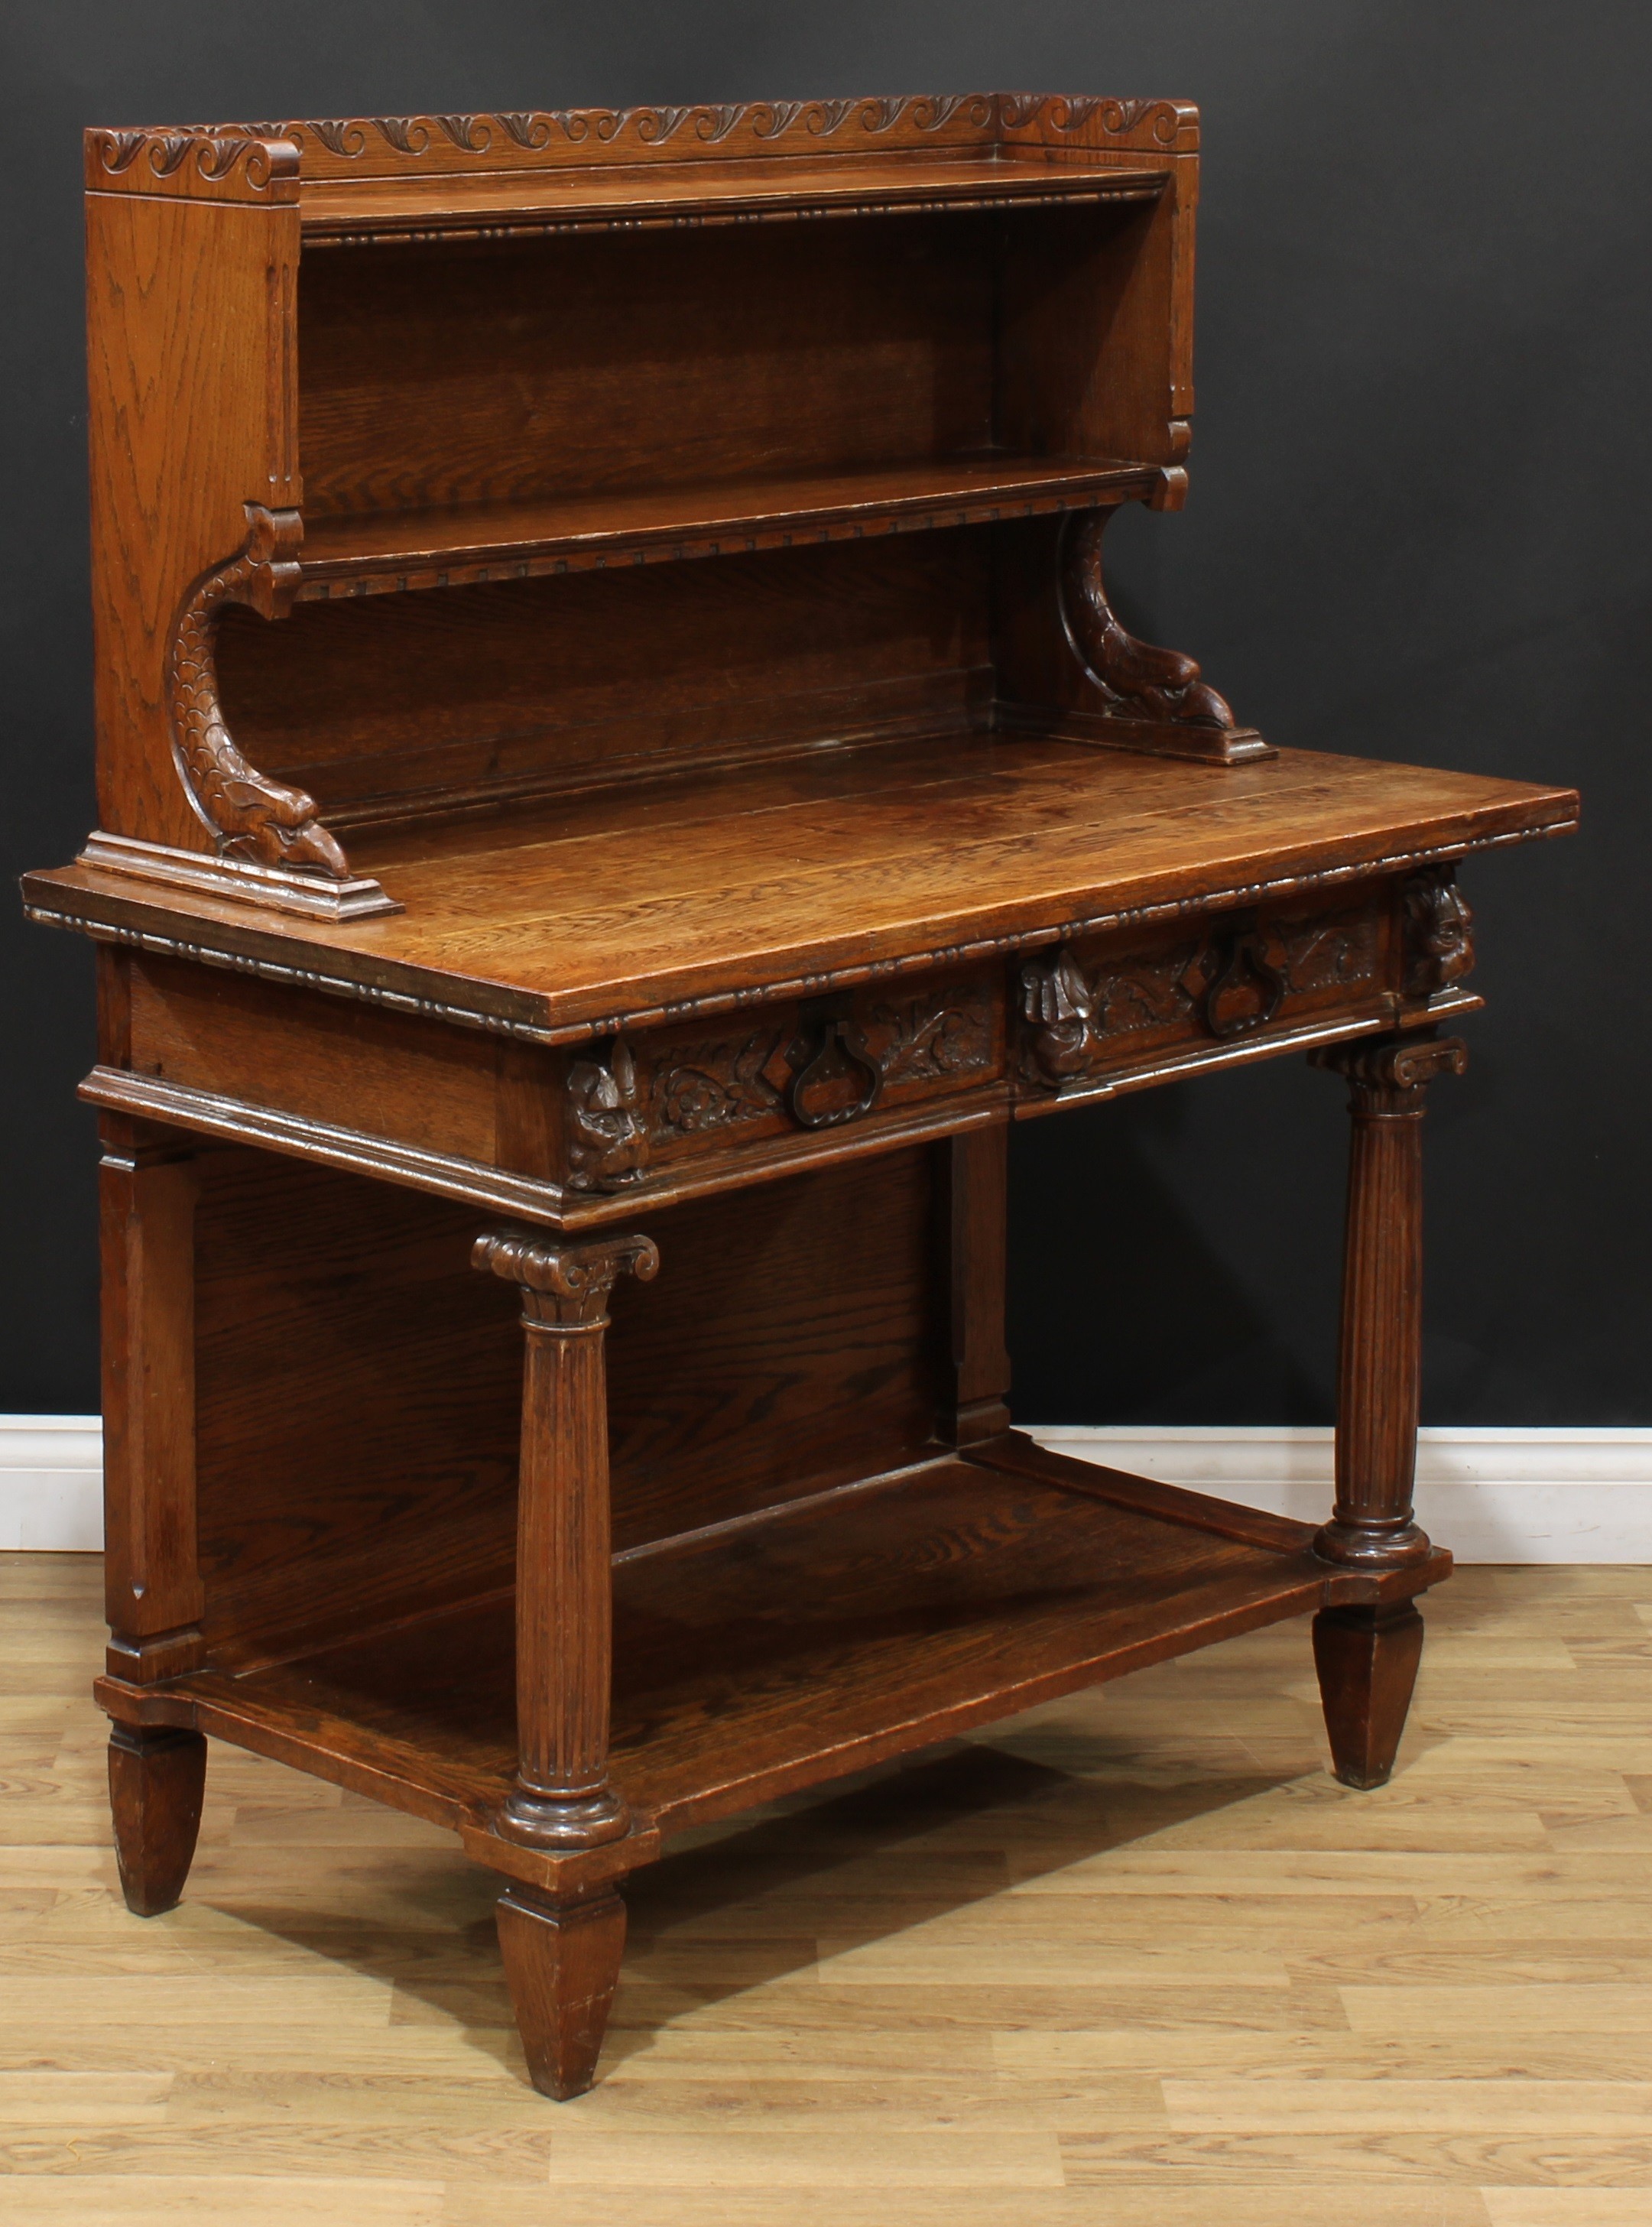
<point>1419,529</point>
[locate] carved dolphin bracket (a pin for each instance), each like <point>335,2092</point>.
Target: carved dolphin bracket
<point>1151,699</point>
<point>269,846</point>
<point>250,817</point>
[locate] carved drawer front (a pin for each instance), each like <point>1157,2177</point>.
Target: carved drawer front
<point>1103,1007</point>
<point>800,1070</point>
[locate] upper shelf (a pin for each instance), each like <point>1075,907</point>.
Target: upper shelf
<point>368,212</point>
<point>382,552</point>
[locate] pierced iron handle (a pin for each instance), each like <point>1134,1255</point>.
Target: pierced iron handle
<point>852,1051</point>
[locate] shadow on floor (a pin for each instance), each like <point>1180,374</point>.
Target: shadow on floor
<point>445,1961</point>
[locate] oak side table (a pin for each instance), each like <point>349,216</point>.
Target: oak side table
<point>619,780</point>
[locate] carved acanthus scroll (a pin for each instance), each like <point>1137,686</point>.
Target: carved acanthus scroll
<point>1152,699</point>
<point>250,817</point>
<point>564,1285</point>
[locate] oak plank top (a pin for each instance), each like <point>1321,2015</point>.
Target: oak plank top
<point>564,919</point>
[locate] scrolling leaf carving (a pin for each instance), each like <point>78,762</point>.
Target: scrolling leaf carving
<point>341,137</point>
<point>262,151</point>
<point>472,133</point>
<point>1062,112</point>
<point>716,1085</point>
<point>1335,953</point>
<point>930,1039</point>
<point>118,150</point>
<point>930,114</point>
<point>715,124</point>
<point>408,135</point>
<point>937,1036</point>
<point>527,129</point>
<point>533,130</point>
<point>250,817</point>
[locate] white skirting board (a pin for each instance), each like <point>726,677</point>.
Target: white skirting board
<point>1490,1495</point>
<point>51,1484</point>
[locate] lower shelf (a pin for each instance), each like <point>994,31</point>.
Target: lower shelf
<point>780,1652</point>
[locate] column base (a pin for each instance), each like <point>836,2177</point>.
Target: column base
<point>1376,1546</point>
<point>536,1819</point>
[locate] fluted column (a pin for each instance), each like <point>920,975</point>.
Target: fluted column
<point>1380,1358</point>
<point>563,1581</point>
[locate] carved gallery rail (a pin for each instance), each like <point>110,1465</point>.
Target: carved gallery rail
<point>604,1160</point>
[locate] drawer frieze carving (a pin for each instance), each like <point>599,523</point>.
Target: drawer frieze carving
<point>936,1038</point>
<point>1227,984</point>
<point>931,1039</point>
<point>714,1085</point>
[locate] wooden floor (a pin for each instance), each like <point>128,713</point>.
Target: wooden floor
<point>1132,1961</point>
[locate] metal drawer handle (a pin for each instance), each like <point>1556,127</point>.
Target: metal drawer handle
<point>1245,953</point>
<point>841,1047</point>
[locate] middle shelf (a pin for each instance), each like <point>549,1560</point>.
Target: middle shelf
<point>382,552</point>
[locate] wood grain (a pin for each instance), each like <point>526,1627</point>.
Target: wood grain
<point>494,204</point>
<point>833,871</point>
<point>758,894</point>
<point>389,551</point>
<point>433,376</point>
<point>365,1327</point>
<point>193,415</point>
<point>758,1655</point>
<point>148,1187</point>
<point>561,1797</point>
<point>1137,1952</point>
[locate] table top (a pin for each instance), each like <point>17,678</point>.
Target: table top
<point>564,918</point>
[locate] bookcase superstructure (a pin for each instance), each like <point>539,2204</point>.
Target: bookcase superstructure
<point>507,348</point>
<point>619,779</point>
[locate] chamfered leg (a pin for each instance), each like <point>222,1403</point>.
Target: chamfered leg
<point>156,1777</point>
<point>562,1962</point>
<point>1367,1659</point>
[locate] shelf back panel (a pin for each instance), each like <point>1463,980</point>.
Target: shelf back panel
<point>360,1384</point>
<point>442,375</point>
<point>385,707</point>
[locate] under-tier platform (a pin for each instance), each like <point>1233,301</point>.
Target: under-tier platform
<point>780,1650</point>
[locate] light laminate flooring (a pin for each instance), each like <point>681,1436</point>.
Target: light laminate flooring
<point>1131,1960</point>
